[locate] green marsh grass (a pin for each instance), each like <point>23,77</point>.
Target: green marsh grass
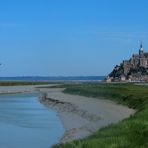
<point>129,133</point>
<point>17,83</point>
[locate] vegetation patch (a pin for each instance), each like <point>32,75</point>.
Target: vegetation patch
<point>18,83</point>
<point>129,133</point>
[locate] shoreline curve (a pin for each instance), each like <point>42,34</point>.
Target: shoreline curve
<point>82,116</point>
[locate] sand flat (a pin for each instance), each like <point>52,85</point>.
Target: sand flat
<point>81,116</point>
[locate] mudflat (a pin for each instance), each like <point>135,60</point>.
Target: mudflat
<point>82,116</point>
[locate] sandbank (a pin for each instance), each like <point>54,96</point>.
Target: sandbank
<point>82,116</point>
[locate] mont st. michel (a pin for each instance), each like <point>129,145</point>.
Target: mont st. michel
<point>134,69</point>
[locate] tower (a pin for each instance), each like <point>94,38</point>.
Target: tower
<point>141,50</point>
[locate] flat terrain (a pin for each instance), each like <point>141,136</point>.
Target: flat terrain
<point>82,116</point>
<point>87,107</point>
<point>129,133</point>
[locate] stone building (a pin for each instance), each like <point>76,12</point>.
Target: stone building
<point>134,69</point>
<point>137,60</point>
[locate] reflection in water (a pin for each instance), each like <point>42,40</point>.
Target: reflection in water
<point>25,123</point>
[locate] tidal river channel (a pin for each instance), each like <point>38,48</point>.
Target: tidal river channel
<point>26,123</point>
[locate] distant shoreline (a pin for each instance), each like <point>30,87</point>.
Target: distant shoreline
<point>53,78</point>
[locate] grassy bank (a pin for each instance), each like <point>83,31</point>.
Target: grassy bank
<point>17,83</point>
<point>130,133</point>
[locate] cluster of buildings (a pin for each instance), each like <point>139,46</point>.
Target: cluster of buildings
<point>134,69</point>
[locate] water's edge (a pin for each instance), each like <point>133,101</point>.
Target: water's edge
<point>34,125</point>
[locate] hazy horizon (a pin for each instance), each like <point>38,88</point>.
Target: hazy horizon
<point>69,38</point>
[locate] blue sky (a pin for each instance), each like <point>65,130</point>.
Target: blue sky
<point>69,37</point>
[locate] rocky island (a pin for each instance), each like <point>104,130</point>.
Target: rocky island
<point>134,69</point>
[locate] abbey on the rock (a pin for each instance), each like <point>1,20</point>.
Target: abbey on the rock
<point>137,60</point>
<point>134,69</point>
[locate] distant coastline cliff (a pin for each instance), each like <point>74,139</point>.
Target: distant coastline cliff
<point>134,69</point>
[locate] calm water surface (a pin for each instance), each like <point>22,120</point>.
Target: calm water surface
<point>25,123</point>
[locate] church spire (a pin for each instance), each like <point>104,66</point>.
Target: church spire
<point>141,50</point>
<point>141,46</point>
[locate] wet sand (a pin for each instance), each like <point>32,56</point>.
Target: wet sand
<point>82,116</point>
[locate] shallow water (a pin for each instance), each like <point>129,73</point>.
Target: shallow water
<point>26,123</point>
